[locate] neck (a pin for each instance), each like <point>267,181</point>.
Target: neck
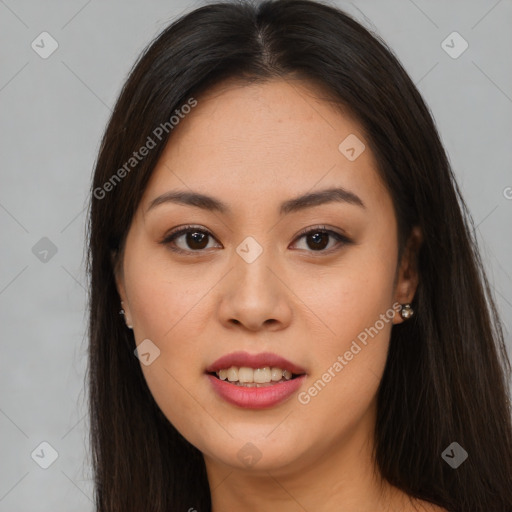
<point>338,476</point>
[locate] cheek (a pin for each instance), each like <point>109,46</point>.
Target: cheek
<point>171,309</point>
<point>163,297</point>
<point>355,303</point>
<point>348,299</point>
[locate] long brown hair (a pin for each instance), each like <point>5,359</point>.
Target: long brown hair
<point>447,372</point>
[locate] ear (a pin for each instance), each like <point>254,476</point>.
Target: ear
<point>117,265</point>
<point>408,276</point>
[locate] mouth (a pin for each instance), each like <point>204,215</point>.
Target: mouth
<point>255,381</point>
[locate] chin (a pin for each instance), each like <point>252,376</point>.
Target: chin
<point>255,453</point>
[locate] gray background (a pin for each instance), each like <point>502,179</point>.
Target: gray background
<point>53,112</point>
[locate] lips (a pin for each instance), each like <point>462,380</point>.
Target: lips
<point>258,396</point>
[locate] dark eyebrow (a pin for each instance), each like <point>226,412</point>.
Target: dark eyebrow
<point>328,195</point>
<point>205,202</point>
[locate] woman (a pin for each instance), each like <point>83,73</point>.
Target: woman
<point>305,323</point>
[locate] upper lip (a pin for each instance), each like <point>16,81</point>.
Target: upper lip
<point>254,361</point>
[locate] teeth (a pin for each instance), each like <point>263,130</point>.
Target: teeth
<point>262,375</point>
<point>245,374</point>
<point>248,376</point>
<point>276,374</point>
<point>232,374</point>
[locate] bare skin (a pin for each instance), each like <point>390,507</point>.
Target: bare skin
<point>253,147</point>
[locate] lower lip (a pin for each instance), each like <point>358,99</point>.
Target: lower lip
<point>256,398</point>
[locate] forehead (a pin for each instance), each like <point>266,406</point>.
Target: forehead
<point>253,142</point>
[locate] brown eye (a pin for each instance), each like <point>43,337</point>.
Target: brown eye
<point>318,239</point>
<point>190,238</point>
<point>196,239</point>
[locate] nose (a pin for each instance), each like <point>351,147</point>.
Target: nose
<point>255,295</point>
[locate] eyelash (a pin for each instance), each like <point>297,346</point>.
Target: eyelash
<point>170,237</point>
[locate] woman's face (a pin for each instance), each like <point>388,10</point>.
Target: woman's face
<point>250,281</point>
